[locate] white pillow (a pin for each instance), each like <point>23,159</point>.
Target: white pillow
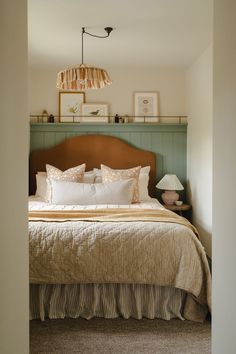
<point>143,184</point>
<point>145,169</point>
<point>41,182</point>
<point>41,185</point>
<point>143,181</point>
<point>98,175</point>
<point>89,177</point>
<point>143,187</point>
<point>118,192</point>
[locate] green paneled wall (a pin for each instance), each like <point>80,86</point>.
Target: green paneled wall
<point>168,141</point>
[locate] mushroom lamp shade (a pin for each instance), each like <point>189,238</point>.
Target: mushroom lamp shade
<point>171,184</point>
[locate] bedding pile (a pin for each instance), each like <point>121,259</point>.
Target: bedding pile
<point>99,231</point>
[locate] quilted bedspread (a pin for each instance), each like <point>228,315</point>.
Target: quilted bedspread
<point>140,252</point>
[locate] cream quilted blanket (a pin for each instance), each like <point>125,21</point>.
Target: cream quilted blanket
<point>111,251</point>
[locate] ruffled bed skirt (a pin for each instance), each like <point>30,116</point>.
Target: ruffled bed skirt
<point>106,300</point>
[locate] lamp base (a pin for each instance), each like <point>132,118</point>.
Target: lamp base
<point>169,197</point>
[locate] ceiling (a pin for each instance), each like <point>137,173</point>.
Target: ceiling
<point>147,33</point>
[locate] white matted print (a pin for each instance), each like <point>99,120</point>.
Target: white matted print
<point>94,112</point>
<point>146,107</point>
<point>70,104</point>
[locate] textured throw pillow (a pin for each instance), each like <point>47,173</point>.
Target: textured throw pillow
<point>119,192</point>
<point>111,175</point>
<point>74,174</point>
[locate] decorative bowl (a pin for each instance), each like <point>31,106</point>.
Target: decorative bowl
<point>178,202</point>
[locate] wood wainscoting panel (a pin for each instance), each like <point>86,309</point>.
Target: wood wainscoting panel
<point>168,141</point>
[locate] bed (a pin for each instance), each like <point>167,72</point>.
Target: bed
<point>109,260</point>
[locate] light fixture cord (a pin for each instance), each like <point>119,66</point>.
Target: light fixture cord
<point>83,30</point>
<point>95,35</point>
<point>107,29</point>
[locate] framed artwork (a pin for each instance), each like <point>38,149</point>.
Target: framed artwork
<point>146,107</point>
<point>70,104</point>
<point>94,112</point>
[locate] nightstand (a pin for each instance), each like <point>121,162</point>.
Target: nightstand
<point>183,210</point>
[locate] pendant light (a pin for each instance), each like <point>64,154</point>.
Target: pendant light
<point>84,77</point>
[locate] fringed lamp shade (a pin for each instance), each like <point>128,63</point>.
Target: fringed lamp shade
<point>82,77</point>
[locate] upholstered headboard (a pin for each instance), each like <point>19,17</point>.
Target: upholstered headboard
<point>93,150</point>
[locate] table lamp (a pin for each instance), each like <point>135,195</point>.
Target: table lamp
<point>171,184</point>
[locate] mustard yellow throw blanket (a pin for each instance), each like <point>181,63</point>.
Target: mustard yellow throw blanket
<point>111,215</point>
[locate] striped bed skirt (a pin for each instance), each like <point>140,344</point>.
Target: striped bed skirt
<point>106,300</point>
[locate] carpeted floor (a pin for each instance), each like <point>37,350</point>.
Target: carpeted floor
<point>119,336</point>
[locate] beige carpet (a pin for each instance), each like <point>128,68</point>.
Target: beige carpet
<point>119,336</point>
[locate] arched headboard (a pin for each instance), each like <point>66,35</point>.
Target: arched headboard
<point>92,150</point>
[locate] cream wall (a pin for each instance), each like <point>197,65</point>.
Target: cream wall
<point>170,83</point>
<point>224,172</point>
<point>14,152</point>
<point>14,307</point>
<point>199,144</point>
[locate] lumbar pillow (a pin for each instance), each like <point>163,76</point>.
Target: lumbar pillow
<point>111,175</point>
<point>118,192</point>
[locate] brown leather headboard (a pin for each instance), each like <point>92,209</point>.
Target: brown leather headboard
<point>93,150</point>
